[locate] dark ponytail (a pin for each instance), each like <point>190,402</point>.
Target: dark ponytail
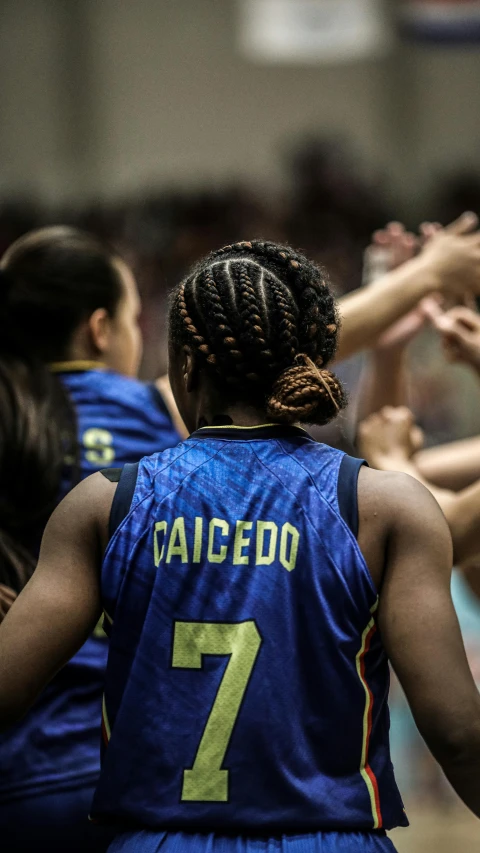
<point>33,444</point>
<point>51,280</point>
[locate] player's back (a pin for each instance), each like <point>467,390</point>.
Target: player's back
<point>246,686</point>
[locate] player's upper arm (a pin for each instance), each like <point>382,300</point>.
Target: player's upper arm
<point>418,623</point>
<point>60,605</point>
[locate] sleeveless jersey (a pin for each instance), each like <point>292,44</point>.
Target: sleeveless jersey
<point>57,745</point>
<point>119,418</point>
<point>247,685</point>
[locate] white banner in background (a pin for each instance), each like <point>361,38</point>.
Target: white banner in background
<point>441,20</point>
<point>312,31</point>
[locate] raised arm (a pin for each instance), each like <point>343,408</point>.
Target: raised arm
<point>419,627</point>
<point>460,332</point>
<point>449,263</point>
<point>163,385</point>
<point>60,605</point>
<point>385,440</point>
<point>388,441</point>
<point>463,517</point>
<point>384,381</point>
<point>455,465</point>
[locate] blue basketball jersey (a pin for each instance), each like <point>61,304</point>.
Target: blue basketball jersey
<point>57,745</point>
<point>247,685</point>
<point>119,418</point>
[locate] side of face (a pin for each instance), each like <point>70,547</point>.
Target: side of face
<point>119,338</point>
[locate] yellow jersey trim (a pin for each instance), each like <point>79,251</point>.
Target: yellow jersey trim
<point>76,365</point>
<point>105,723</point>
<point>236,426</point>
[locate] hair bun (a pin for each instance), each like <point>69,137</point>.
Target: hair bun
<point>306,393</point>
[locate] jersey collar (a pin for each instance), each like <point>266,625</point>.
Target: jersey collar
<point>244,433</point>
<point>76,366</point>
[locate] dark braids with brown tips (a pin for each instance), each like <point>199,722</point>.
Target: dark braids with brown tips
<point>263,320</point>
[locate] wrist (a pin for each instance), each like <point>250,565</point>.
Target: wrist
<point>428,276</point>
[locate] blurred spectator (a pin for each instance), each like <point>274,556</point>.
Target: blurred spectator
<point>330,212</point>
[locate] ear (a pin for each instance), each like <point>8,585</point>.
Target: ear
<point>99,329</point>
<point>189,369</point>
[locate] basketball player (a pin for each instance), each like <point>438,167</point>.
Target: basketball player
<point>255,585</point>
<point>67,303</point>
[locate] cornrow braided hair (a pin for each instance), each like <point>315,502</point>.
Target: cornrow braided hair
<point>262,320</point>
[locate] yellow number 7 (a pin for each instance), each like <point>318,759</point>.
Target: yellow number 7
<point>206,781</point>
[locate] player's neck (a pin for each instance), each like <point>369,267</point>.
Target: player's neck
<point>235,414</point>
<point>82,349</point>
<point>210,406</point>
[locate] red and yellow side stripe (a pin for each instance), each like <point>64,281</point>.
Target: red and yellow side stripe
<point>106,731</point>
<point>368,775</point>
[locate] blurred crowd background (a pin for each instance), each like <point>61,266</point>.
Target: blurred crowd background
<point>170,127</point>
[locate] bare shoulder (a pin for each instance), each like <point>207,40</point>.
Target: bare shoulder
<point>393,506</point>
<point>384,492</point>
<point>85,511</point>
<point>93,496</point>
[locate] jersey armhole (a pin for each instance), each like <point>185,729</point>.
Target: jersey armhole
<point>112,474</point>
<point>126,478</point>
<point>347,491</point>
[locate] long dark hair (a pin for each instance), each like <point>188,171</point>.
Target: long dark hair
<point>263,322</point>
<point>32,449</point>
<point>50,281</point>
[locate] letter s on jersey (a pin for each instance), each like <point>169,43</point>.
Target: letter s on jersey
<point>98,446</point>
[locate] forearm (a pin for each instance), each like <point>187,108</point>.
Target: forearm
<point>465,780</point>
<point>471,573</point>
<point>369,311</point>
<point>451,466</point>
<point>463,517</point>
<point>164,387</point>
<point>59,607</point>
<point>461,765</point>
<point>30,655</point>
<point>384,382</point>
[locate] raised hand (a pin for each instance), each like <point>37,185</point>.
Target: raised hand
<point>391,247</point>
<point>460,332</point>
<point>448,264</point>
<point>453,253</point>
<point>401,244</point>
<point>389,437</point>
